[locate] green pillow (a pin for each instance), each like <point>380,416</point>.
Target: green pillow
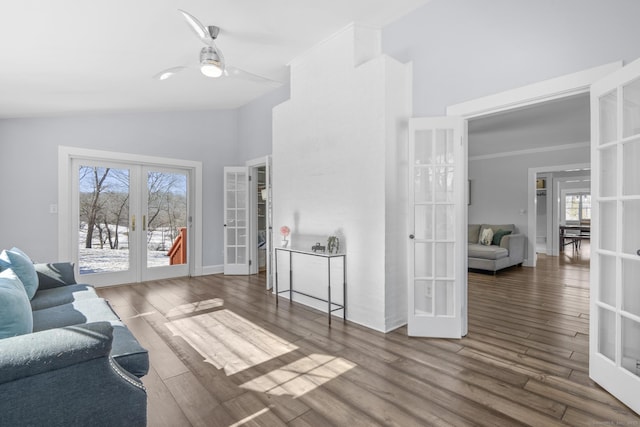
<point>15,317</point>
<point>22,265</point>
<point>498,235</point>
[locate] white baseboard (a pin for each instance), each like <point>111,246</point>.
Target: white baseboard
<point>212,269</point>
<point>395,325</point>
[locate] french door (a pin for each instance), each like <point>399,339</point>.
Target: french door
<point>438,186</point>
<point>131,221</point>
<point>614,344</point>
<point>236,220</point>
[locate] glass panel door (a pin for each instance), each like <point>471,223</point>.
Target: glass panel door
<point>614,355</point>
<point>132,222</point>
<point>104,221</point>
<point>165,223</point>
<point>236,194</point>
<point>437,189</point>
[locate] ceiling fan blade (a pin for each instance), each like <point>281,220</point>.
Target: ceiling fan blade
<point>231,71</point>
<point>169,72</point>
<point>197,27</point>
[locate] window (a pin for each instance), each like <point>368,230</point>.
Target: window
<point>577,207</point>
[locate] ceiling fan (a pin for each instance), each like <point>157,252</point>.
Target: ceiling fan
<point>212,62</point>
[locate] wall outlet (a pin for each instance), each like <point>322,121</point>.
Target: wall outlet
<point>53,209</point>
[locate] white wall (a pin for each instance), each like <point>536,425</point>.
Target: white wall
<point>330,147</point>
<point>28,166</point>
<point>466,49</point>
<point>255,124</point>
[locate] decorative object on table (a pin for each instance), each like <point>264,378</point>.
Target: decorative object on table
<point>333,244</point>
<point>285,231</point>
<point>318,247</point>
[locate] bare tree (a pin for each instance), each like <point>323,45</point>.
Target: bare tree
<point>94,203</point>
<point>103,203</point>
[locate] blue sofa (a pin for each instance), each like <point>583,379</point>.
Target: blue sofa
<point>78,364</point>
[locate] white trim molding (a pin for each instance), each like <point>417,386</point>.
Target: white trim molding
<point>547,90</point>
<point>532,151</point>
<point>212,269</point>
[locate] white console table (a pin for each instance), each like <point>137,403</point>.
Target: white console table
<point>331,306</point>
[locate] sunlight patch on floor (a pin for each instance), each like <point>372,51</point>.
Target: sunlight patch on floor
<point>229,341</point>
<point>250,418</point>
<point>194,307</point>
<point>301,376</point>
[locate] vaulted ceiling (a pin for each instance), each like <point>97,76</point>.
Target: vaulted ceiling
<point>71,56</point>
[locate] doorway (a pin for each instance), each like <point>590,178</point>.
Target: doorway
<point>260,214</point>
<point>127,218</point>
<point>505,152</point>
<point>259,219</point>
<point>568,87</point>
<point>552,185</point>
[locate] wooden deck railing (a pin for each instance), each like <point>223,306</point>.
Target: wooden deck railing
<point>178,251</point>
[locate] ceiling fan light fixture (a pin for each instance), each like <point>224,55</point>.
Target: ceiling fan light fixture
<point>195,25</point>
<point>211,70</point>
<point>211,64</point>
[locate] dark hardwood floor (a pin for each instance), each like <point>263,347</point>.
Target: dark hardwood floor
<point>223,355</point>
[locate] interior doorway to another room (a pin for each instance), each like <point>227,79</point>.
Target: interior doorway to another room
<point>260,218</point>
<point>567,87</point>
<point>505,147</point>
<point>563,210</point>
<point>260,190</point>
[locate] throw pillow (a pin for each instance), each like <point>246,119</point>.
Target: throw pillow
<point>486,236</point>
<point>15,317</point>
<point>22,265</point>
<point>55,274</point>
<point>497,237</point>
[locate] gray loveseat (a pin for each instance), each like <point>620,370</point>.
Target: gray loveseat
<point>80,365</point>
<point>506,248</point>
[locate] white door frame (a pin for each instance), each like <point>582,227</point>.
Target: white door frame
<point>253,225</point>
<point>532,224</point>
<point>536,93</point>
<point>67,154</point>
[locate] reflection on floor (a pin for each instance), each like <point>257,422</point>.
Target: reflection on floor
<point>579,256</point>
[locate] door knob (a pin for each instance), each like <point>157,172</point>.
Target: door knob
<point>411,236</point>
<point>638,252</point>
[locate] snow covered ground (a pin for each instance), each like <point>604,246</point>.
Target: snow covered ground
<point>110,260</point>
<point>96,260</point>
